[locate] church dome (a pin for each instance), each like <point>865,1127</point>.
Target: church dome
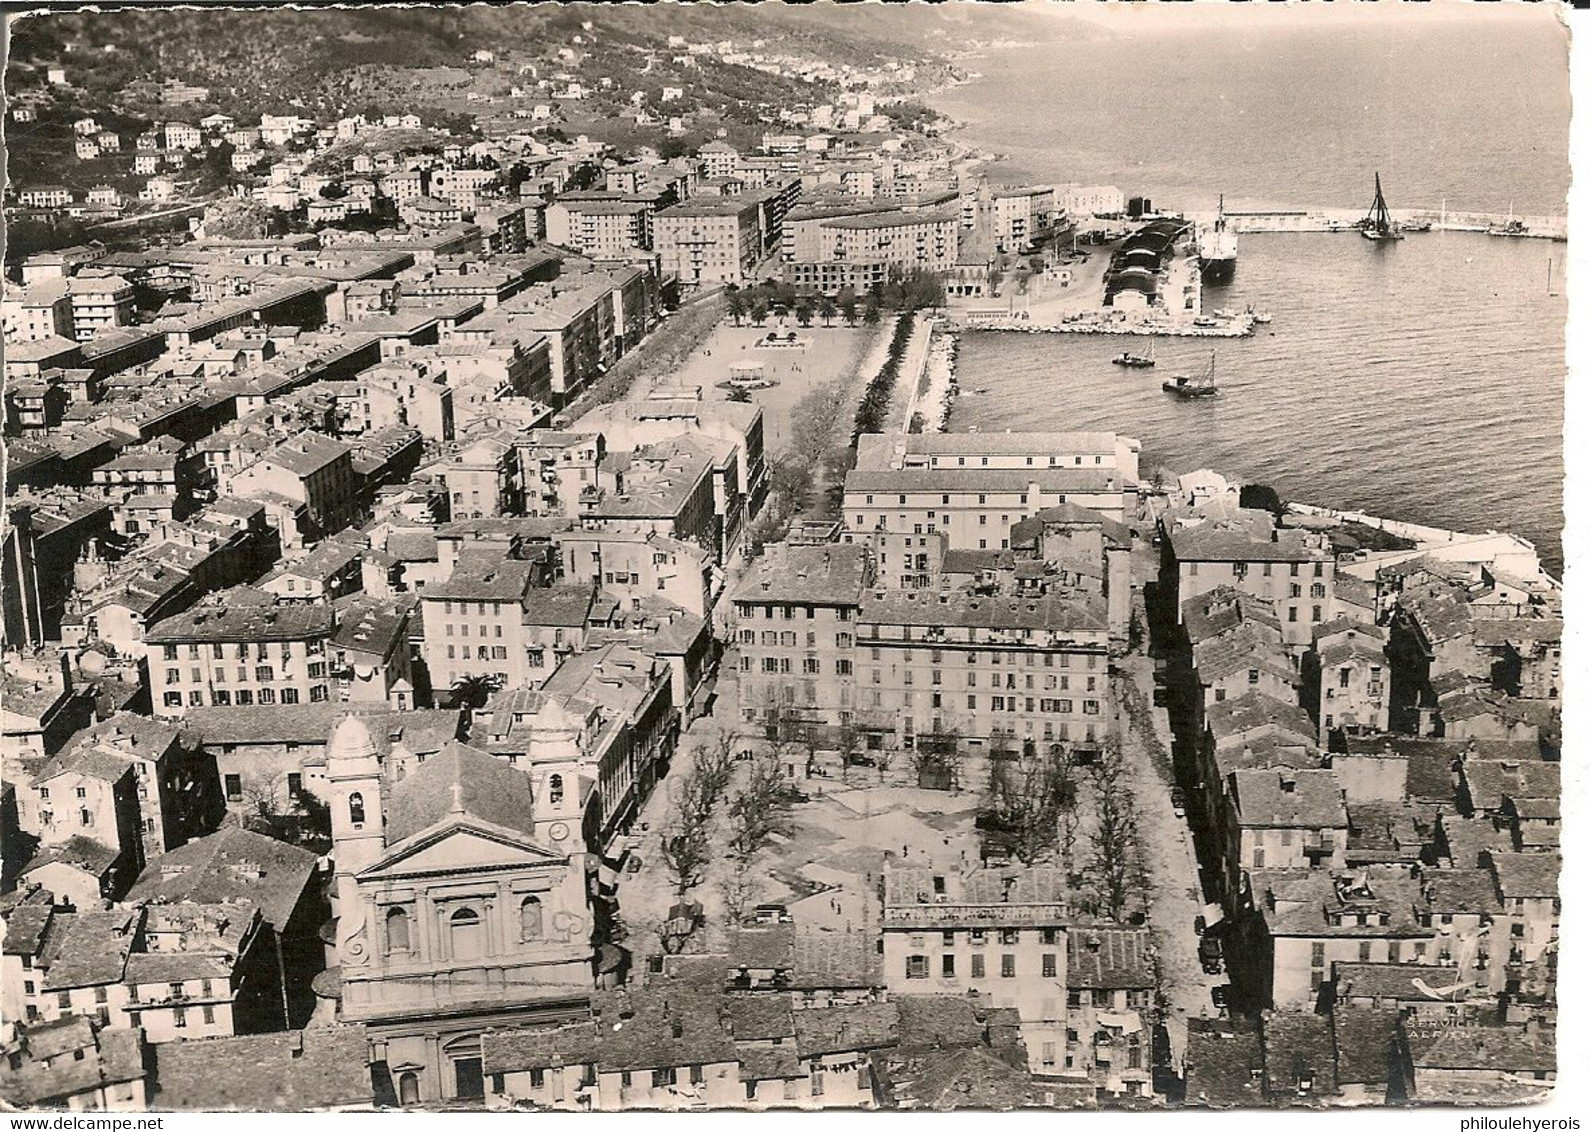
<point>350,739</point>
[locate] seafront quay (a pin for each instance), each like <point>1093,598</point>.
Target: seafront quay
<point>1345,220</point>
<point>1238,327</point>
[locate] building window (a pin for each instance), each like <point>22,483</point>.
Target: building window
<point>948,966</point>
<point>356,808</point>
<point>234,788</point>
<point>977,966</point>
<point>179,1017</point>
<point>397,930</point>
<point>555,789</point>
<point>530,918</point>
<point>1049,966</point>
<point>1007,966</point>
<point>916,967</point>
<point>465,930</point>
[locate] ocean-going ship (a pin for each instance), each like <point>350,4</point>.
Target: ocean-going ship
<point>1217,248</point>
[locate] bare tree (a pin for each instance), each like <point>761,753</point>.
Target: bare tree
<point>756,811</point>
<point>685,849</point>
<point>937,757</point>
<point>883,757</point>
<point>1115,831</point>
<point>847,741</point>
<point>714,767</point>
<point>1027,796</point>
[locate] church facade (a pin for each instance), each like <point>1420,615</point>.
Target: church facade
<point>462,901</point>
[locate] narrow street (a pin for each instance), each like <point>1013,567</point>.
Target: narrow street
<point>1175,895</point>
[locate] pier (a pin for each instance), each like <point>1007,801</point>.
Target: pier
<point>1338,220</point>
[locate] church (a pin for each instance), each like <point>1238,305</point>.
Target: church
<point>462,904</point>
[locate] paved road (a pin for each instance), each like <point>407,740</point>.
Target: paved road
<point>1175,896</point>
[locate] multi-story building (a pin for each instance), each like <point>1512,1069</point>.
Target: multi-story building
<point>231,651</point>
<point>685,488</point>
<point>557,469</point>
<point>1305,921</point>
<point>1022,215</point>
<point>73,1065</point>
<point>1293,570</point>
<point>489,618</point>
<point>981,668</point>
<point>1284,819</point>
<point>1111,990</point>
<point>314,474</point>
<point>1348,674</point>
<point>632,565</point>
<point>39,312</point>
<point>977,509</point>
<point>99,302</point>
<point>601,228</point>
<point>1000,934</point>
<point>796,622</point>
<point>709,240</point>
<point>633,424</point>
<point>900,666</point>
<point>718,159</point>
<point>87,795</point>
<point>483,480</point>
<point>1093,200</point>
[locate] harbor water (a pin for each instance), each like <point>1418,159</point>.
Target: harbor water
<point>1422,379</point>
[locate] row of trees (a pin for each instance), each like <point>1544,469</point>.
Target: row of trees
<point>771,297</point>
<point>699,820</point>
<point>1032,805</point>
<point>874,407</point>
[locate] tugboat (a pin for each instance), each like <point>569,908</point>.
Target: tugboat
<point>1194,385</point>
<point>1378,225</point>
<point>1135,361</point>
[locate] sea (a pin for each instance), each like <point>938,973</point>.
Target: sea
<point>1421,380</point>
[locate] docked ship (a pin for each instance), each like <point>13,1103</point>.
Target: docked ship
<point>1217,249</point>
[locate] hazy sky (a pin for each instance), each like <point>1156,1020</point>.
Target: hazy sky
<point>1265,14</point>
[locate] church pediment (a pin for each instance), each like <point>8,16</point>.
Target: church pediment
<point>457,847</point>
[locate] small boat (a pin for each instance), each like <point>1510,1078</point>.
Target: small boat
<point>1509,227</point>
<point>1135,361</point>
<point>1223,313</point>
<point>1259,317</point>
<point>1194,385</point>
<point>1378,225</point>
<point>1416,226</point>
<point>1204,323</point>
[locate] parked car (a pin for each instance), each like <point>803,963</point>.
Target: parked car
<point>1210,953</point>
<point>634,865</point>
<point>858,759</point>
<point>1220,996</point>
<point>1161,697</point>
<point>792,794</point>
<point>1199,925</point>
<point>772,914</point>
<point>1178,801</point>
